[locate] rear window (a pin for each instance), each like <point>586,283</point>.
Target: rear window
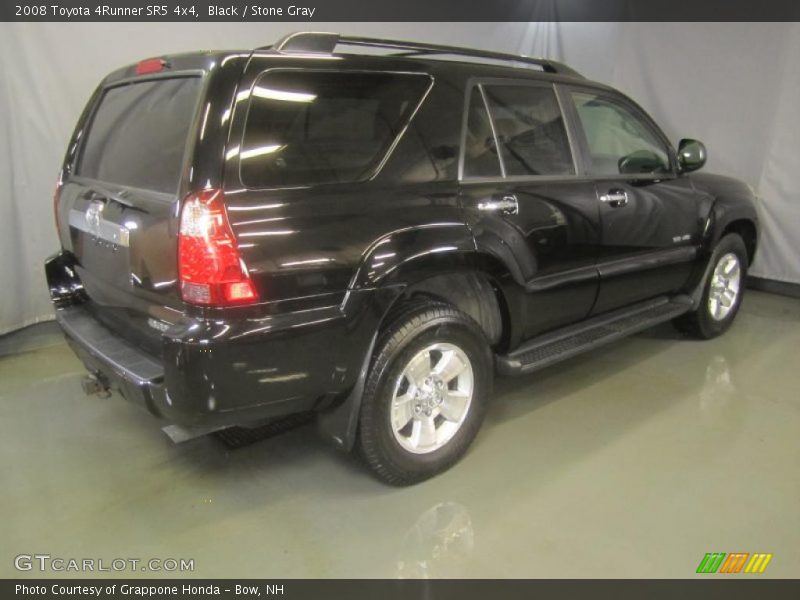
<point>305,128</point>
<point>138,134</point>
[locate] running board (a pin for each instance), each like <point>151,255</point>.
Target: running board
<point>561,344</point>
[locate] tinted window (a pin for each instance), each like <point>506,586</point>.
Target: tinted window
<point>530,130</point>
<point>619,140</point>
<point>324,127</point>
<point>480,153</point>
<point>138,134</point>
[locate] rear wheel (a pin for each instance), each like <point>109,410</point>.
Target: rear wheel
<point>426,393</point>
<point>722,294</point>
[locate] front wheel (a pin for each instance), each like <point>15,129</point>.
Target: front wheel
<point>426,393</point>
<point>723,291</point>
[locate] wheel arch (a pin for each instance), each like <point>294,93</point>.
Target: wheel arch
<point>471,291</point>
<point>470,281</point>
<point>747,230</point>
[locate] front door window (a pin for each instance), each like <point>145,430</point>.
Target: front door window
<point>619,141</point>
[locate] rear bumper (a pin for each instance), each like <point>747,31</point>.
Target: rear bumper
<point>136,375</point>
<point>218,374</point>
<point>223,369</point>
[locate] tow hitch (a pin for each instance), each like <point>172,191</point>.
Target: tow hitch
<point>94,385</point>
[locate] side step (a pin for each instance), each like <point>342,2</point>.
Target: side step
<point>561,344</point>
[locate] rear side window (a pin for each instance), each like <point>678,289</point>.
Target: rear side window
<point>311,127</point>
<point>530,130</point>
<point>138,134</point>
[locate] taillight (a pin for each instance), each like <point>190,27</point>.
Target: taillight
<point>56,196</point>
<point>210,268</point>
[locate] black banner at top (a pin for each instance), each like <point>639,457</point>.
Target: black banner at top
<point>399,10</point>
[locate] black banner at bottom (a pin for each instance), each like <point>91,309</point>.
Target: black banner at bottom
<point>384,589</point>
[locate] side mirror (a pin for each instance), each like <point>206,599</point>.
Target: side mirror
<point>691,155</point>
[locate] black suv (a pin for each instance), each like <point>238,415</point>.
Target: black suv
<point>368,237</point>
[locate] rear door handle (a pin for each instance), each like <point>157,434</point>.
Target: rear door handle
<point>615,198</point>
<point>506,204</point>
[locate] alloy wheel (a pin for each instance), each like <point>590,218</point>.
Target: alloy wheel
<point>432,397</point>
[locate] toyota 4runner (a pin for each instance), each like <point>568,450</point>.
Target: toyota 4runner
<point>370,236</point>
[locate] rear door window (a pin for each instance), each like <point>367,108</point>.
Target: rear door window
<point>530,130</point>
<point>480,152</point>
<point>313,127</point>
<point>138,134</point>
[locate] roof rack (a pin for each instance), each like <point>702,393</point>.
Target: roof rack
<point>325,43</point>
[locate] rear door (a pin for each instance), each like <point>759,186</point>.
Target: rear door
<point>118,210</point>
<point>524,197</point>
<point>649,216</point>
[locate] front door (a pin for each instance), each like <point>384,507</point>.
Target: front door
<point>650,224</point>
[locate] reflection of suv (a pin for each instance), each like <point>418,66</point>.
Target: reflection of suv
<point>248,235</point>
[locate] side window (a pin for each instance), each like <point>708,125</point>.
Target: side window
<point>311,127</point>
<point>480,154</point>
<point>530,130</point>
<point>619,141</point>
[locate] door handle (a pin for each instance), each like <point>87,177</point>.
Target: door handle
<point>615,198</point>
<point>507,205</point>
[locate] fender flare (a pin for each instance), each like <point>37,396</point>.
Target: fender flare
<point>505,243</point>
<point>386,261</point>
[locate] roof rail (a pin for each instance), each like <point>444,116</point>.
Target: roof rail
<point>325,43</point>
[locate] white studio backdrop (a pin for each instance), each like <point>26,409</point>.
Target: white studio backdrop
<point>736,86</point>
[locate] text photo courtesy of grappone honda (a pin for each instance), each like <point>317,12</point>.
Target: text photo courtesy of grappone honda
<point>371,237</point>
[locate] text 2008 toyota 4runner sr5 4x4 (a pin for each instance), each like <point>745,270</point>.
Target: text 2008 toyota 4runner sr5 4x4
<point>370,237</point>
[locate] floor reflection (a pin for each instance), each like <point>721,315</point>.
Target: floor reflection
<point>718,389</point>
<point>438,545</point>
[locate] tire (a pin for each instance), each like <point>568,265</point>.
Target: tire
<point>714,316</point>
<point>421,338</point>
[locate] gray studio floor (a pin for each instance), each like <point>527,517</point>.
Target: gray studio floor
<point>633,461</point>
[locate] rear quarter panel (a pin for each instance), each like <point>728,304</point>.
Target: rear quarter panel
<point>323,240</point>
